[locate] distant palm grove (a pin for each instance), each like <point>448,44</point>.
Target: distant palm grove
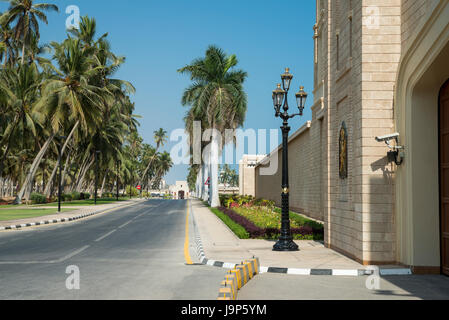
<point>63,96</point>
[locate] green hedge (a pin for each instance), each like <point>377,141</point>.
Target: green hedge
<point>37,198</point>
<point>76,196</point>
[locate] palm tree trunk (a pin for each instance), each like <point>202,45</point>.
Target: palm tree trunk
<point>83,175</point>
<point>55,169</point>
<point>199,182</point>
<point>66,165</point>
<point>206,178</point>
<point>154,178</point>
<point>203,181</point>
<point>104,181</point>
<point>215,199</point>
<point>148,167</point>
<point>78,173</point>
<point>8,146</point>
<point>2,163</point>
<point>23,52</point>
<point>27,185</point>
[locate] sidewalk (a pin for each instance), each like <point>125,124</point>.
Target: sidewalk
<point>221,244</point>
<point>77,213</point>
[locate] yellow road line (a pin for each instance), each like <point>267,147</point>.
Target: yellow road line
<point>186,242</point>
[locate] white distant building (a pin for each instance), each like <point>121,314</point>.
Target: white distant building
<point>180,190</point>
<point>247,174</point>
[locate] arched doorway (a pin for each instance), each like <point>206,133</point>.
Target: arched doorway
<point>444,175</point>
<point>423,71</point>
<point>181,195</point>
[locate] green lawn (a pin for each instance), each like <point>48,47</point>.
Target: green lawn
<point>301,220</point>
<point>80,203</point>
<point>16,214</point>
<point>77,203</point>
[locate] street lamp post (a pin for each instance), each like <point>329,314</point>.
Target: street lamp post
<point>97,153</point>
<point>118,168</point>
<point>61,139</point>
<point>286,242</point>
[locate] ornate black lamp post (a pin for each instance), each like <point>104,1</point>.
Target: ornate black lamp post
<point>285,242</point>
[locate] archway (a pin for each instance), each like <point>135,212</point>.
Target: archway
<point>423,70</point>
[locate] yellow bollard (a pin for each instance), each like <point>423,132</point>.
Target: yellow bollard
<point>238,273</point>
<point>245,270</point>
<point>224,293</point>
<point>233,278</point>
<point>249,265</point>
<point>229,284</point>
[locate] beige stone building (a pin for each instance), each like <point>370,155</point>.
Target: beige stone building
<point>381,67</point>
<point>247,174</point>
<point>180,190</point>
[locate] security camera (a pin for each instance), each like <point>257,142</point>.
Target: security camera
<point>394,155</point>
<point>388,137</point>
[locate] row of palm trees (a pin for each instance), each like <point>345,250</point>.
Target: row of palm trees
<point>60,103</point>
<point>217,99</point>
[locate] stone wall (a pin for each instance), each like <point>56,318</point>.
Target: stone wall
<point>247,172</point>
<point>304,177</point>
<point>413,14</point>
<point>358,48</point>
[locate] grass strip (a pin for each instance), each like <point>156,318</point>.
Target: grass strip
<point>235,227</point>
<point>18,214</point>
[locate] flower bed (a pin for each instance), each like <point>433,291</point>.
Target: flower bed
<point>262,223</point>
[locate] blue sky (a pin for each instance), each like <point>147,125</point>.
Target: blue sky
<point>159,37</point>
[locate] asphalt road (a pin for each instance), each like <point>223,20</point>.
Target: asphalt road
<point>135,252</point>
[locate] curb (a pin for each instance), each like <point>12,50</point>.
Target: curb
<point>294,271</point>
<point>54,221</point>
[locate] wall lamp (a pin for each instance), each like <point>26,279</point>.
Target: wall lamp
<point>396,154</point>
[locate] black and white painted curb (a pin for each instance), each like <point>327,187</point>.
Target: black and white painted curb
<point>294,271</point>
<point>54,221</point>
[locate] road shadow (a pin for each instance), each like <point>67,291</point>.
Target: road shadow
<point>426,287</point>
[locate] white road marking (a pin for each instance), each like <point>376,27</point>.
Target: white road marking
<point>338,272</point>
<point>125,224</point>
<point>67,257</point>
<point>304,272</point>
<point>106,235</point>
<point>71,255</point>
<point>263,269</point>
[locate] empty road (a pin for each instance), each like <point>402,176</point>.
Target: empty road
<point>136,252</point>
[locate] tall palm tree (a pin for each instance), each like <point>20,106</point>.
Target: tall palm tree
<point>217,94</point>
<point>26,15</point>
<point>87,32</point>
<point>76,97</point>
<point>164,163</point>
<point>21,88</point>
<point>70,97</point>
<point>160,137</point>
<point>107,64</point>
